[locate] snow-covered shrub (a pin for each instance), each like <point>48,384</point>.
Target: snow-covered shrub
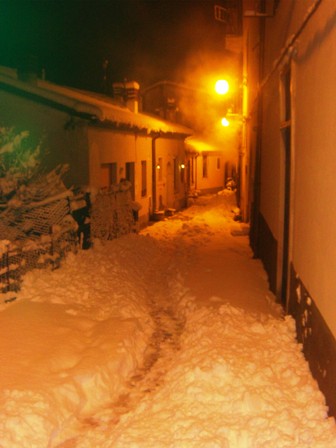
<point>33,204</point>
<point>19,161</point>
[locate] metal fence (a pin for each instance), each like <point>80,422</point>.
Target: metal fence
<point>112,214</point>
<point>39,235</point>
<point>17,259</point>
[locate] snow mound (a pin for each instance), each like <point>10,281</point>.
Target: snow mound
<point>236,382</point>
<point>153,340</point>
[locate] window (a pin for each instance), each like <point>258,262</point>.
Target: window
<point>130,176</point>
<point>143,178</point>
<point>182,170</point>
<point>205,166</point>
<point>192,170</point>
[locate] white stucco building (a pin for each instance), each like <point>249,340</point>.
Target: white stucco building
<point>289,49</point>
<point>102,140</point>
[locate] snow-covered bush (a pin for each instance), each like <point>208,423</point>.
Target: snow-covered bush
<point>37,228</point>
<point>19,161</point>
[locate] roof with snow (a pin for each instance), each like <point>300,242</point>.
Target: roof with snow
<point>197,144</point>
<point>93,106</point>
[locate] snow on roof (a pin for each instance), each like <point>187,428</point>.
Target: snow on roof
<point>198,144</point>
<point>97,106</point>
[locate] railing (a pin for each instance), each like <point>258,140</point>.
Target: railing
<point>39,235</point>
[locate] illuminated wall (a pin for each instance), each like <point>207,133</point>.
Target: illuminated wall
<point>314,236</point>
<point>295,213</point>
<point>108,147</point>
<point>171,181</point>
<point>122,148</point>
<point>312,244</point>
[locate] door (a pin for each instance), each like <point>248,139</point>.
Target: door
<point>130,176</point>
<point>286,133</point>
<point>286,137</point>
<point>170,186</point>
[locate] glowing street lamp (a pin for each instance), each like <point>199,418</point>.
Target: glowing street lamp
<point>222,87</point>
<point>225,122</point>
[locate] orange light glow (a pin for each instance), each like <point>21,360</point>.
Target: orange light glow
<point>225,122</point>
<point>222,87</point>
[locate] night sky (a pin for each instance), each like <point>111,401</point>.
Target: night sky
<point>142,40</point>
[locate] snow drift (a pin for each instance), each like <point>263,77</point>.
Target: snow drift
<point>169,338</point>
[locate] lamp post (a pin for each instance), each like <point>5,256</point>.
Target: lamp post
<point>238,118</point>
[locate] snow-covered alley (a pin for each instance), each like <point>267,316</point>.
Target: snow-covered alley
<point>167,338</point>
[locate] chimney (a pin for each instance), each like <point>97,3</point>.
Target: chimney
<point>128,94</point>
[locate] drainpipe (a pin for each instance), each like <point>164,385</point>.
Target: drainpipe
<point>196,156</point>
<point>255,233</point>
<point>243,196</point>
<point>291,41</point>
<point>154,138</point>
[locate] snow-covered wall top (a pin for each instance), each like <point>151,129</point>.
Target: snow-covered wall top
<point>92,104</point>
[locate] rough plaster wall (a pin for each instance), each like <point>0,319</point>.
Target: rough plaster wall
<point>271,160</point>
<point>168,149</point>
<point>47,125</point>
<point>314,134</point>
<point>277,30</point>
<point>314,237</point>
<point>215,179</point>
<point>107,146</point>
<point>287,20</point>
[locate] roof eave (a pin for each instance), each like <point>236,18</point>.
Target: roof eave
<point>131,128</point>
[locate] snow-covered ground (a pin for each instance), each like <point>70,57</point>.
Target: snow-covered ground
<point>168,338</point>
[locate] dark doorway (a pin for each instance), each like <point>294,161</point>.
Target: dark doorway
<point>286,139</point>
<point>130,176</point>
<point>286,135</point>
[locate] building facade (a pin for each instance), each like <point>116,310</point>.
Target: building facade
<point>208,152</point>
<point>102,141</point>
<point>291,134</point>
